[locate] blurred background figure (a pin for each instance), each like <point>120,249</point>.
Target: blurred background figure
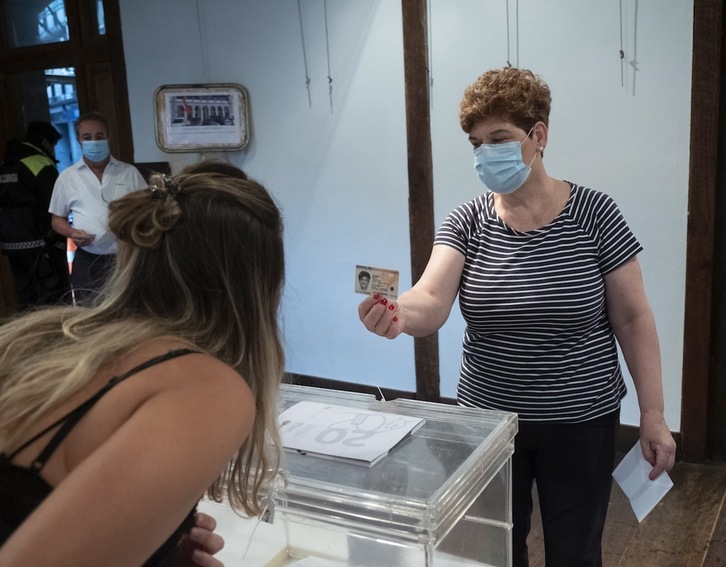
<point>80,200</point>
<point>37,254</point>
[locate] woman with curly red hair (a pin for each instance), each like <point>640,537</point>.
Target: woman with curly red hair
<point>549,284</point>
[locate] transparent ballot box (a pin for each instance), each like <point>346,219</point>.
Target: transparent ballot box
<point>440,498</point>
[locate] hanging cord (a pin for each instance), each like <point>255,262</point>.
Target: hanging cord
<point>429,63</point>
<point>509,61</point>
<point>305,55</point>
<point>516,4</point>
<point>201,26</point>
<point>622,53</point>
<point>203,45</point>
<point>509,41</point>
<point>266,515</point>
<point>327,48</point>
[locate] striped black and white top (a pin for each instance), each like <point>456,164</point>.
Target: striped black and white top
<point>538,341</point>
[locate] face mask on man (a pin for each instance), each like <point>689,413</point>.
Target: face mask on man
<point>500,166</point>
<point>95,150</point>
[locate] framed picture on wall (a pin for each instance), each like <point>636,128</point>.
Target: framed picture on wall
<point>192,118</point>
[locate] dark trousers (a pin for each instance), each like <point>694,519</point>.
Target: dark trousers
<point>89,274</point>
<point>59,259</point>
<point>40,279</point>
<point>572,465</point>
<point>23,268</point>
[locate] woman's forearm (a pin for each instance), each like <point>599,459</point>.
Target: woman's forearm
<point>639,343</point>
<point>423,314</point>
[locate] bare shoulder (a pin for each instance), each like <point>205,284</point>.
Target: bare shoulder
<point>159,439</point>
<point>188,396</point>
<point>214,389</point>
<point>201,409</point>
<point>188,369</point>
<point>201,368</point>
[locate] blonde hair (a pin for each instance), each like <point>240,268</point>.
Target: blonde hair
<point>516,95</point>
<point>200,258</point>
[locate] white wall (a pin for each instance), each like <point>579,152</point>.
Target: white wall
<point>340,177</point>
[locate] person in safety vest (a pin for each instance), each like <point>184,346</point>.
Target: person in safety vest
<point>36,253</point>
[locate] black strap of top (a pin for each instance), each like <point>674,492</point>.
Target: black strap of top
<point>74,416</point>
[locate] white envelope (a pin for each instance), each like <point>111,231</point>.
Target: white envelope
<point>632,477</point>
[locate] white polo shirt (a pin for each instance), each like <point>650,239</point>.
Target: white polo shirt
<point>78,192</point>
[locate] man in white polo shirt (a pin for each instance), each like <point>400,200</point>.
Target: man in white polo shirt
<point>79,204</point>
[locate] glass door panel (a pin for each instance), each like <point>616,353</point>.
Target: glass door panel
<point>34,22</point>
<point>63,105</point>
<point>50,95</point>
<point>100,18</point>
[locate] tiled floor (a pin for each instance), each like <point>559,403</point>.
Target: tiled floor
<point>686,529</point>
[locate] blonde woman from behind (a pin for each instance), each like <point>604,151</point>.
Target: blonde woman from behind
<point>116,418</point>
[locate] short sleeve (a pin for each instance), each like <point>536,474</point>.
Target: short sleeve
<point>139,181</point>
<point>59,204</point>
<point>616,242</point>
<point>457,227</point>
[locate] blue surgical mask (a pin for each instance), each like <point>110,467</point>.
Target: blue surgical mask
<point>500,166</point>
<point>95,150</point>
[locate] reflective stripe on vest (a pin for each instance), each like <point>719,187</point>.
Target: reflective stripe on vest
<point>22,245</point>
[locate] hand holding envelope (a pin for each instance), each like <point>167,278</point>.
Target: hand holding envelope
<point>632,477</point>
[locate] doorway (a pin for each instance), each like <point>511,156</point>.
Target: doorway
<point>51,95</point>
<point>60,58</point>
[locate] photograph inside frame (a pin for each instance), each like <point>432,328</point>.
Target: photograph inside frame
<point>207,117</point>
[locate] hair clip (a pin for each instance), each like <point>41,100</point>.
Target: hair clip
<point>171,185</point>
<point>167,188</point>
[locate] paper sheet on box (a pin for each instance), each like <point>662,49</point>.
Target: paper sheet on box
<point>632,477</point>
<point>353,435</point>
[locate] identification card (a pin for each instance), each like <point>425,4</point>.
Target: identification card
<point>376,280</point>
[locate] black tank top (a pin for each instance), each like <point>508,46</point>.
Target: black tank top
<point>22,489</point>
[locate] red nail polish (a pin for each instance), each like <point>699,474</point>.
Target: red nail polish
<point>384,301</point>
<point>391,307</point>
<point>376,296</point>
<point>395,318</point>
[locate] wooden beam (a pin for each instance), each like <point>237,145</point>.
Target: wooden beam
<point>702,190</point>
<point>420,179</point>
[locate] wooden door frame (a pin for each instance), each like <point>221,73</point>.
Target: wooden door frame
<point>99,64</point>
<point>420,179</point>
<point>707,105</point>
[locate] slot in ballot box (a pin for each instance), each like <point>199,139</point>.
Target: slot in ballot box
<point>441,498</point>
